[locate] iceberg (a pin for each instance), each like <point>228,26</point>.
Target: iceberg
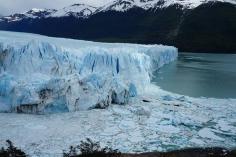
<point>40,74</point>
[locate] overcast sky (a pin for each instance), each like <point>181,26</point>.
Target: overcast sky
<point>12,6</point>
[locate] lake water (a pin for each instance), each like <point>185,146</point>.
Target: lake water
<point>200,75</point>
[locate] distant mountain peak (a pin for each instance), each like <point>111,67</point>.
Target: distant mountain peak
<point>37,10</point>
<point>76,10</point>
<point>80,10</point>
<point>124,5</point>
<point>33,13</point>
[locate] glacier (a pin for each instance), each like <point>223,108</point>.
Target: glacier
<point>40,74</point>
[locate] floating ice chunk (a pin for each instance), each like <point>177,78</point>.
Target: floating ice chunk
<point>142,111</point>
<point>110,131</point>
<point>127,125</point>
<point>35,126</point>
<point>207,133</point>
<point>225,126</point>
<point>182,98</point>
<point>168,129</point>
<point>197,141</point>
<point>120,110</point>
<point>168,98</point>
<point>136,137</point>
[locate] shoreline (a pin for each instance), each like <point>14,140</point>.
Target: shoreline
<point>188,152</point>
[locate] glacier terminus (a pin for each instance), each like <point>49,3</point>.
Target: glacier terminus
<point>41,74</point>
<point>68,90</point>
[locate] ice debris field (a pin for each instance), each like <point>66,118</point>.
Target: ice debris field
<point>109,86</point>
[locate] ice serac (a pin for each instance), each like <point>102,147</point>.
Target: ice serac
<point>40,74</point>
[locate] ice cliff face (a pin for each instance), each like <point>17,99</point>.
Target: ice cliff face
<point>39,74</point>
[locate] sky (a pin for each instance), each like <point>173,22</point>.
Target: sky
<point>19,6</point>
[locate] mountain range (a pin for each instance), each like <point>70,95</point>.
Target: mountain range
<point>190,25</point>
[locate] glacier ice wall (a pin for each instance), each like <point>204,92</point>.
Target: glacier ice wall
<point>39,74</point>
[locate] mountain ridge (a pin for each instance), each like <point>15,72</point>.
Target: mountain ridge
<point>81,10</point>
<point>210,27</point>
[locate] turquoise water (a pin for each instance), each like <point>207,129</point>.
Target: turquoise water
<point>200,75</point>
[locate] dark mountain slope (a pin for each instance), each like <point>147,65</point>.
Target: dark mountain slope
<point>210,27</point>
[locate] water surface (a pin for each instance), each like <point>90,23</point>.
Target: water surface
<point>200,75</point>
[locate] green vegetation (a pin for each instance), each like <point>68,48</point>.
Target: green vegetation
<point>11,151</point>
<point>89,148</point>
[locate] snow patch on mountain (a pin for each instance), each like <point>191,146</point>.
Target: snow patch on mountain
<point>85,11</point>
<point>42,74</point>
<point>124,5</point>
<point>31,14</point>
<point>76,10</point>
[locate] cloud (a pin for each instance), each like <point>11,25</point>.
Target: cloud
<point>18,6</point>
